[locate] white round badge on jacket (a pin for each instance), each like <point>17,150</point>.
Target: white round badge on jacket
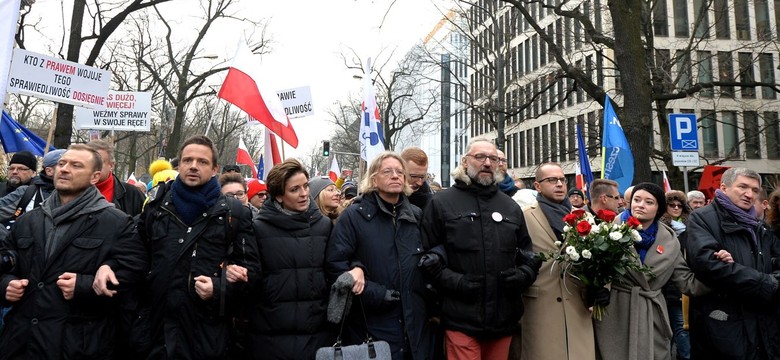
<point>497,217</point>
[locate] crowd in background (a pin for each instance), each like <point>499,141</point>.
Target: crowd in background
<point>205,264</point>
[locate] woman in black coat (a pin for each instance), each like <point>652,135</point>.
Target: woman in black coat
<point>288,316</point>
<point>378,241</point>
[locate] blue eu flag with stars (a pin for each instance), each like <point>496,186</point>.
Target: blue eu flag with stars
<point>16,137</point>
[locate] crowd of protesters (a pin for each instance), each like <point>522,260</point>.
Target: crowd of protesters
<point>204,264</point>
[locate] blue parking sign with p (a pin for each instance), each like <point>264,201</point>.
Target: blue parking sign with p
<point>683,134</point>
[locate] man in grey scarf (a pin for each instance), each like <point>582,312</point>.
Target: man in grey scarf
<point>557,323</point>
<point>58,248</point>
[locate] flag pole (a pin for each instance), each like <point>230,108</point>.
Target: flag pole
<point>51,130</point>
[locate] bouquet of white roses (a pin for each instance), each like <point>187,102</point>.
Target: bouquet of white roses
<point>596,251</point>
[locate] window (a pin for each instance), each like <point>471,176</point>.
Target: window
<point>746,75</point>
<point>681,23</point>
<point>763,29</point>
<point>567,34</point>
<point>777,17</point>
<point>705,71</point>
<point>701,18</point>
<point>709,133</point>
<point>594,135</point>
<point>572,139</point>
<point>597,14</point>
<point>545,144</point>
<point>683,69</point>
<point>752,146</point>
<point>742,19</point>
<point>772,135</point>
<point>664,62</point>
<point>554,142</point>
<point>722,19</point>
<point>618,82</point>
<point>600,69</point>
<point>535,47</point>
<point>537,149</point>
<point>577,34</point>
<point>766,65</point>
<point>529,148</point>
<point>521,145</point>
<point>725,73</point>
<point>730,135</point>
<point>660,19</point>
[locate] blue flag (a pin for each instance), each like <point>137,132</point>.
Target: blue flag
<point>582,152</point>
<point>16,137</point>
<point>617,160</point>
<point>260,168</point>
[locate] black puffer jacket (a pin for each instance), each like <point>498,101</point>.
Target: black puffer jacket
<point>128,198</point>
<point>43,325</point>
<point>481,231</point>
<point>289,306</point>
<point>738,320</point>
<point>181,325</point>
<point>385,241</point>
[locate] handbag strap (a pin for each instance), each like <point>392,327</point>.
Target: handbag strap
<point>341,326</point>
<point>365,321</point>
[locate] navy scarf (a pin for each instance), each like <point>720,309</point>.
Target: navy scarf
<point>648,239</point>
<point>192,202</point>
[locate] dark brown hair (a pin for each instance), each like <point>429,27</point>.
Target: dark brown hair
<point>201,140</point>
<point>280,173</point>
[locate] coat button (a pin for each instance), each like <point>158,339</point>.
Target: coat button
<point>204,214</point>
<point>40,285</point>
<point>558,299</point>
<point>34,321</point>
<point>181,241</point>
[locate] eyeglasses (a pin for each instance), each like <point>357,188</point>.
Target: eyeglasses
<point>18,168</point>
<point>262,194</point>
<point>613,197</point>
<point>391,171</point>
<point>675,206</point>
<point>501,160</point>
<point>236,194</point>
<point>483,157</point>
<point>554,180</point>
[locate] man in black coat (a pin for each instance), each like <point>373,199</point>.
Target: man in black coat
<point>192,232</point>
<point>739,318</point>
<point>58,248</point>
<point>417,163</point>
<point>478,243</point>
<point>124,196</point>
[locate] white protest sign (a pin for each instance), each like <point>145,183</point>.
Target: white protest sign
<point>296,101</point>
<point>58,80</point>
<point>126,111</point>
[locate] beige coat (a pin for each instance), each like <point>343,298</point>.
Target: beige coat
<point>556,325</point>
<point>636,326</point>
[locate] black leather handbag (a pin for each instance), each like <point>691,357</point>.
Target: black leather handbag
<point>369,350</point>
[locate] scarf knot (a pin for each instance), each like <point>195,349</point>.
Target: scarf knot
<point>648,239</point>
<point>191,202</point>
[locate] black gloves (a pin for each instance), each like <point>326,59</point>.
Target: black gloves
<point>516,278</point>
<point>431,265</point>
<point>469,285</point>
<point>392,295</point>
<point>529,258</point>
<point>597,296</point>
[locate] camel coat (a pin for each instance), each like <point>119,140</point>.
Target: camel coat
<point>556,325</point>
<point>636,326</point>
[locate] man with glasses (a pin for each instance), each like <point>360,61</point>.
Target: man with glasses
<point>557,324</point>
<point>478,257</point>
<point>21,170</point>
<point>506,184</point>
<point>417,165</point>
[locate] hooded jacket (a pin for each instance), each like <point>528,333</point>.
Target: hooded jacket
<point>43,325</point>
<point>290,300</point>
<point>481,230</point>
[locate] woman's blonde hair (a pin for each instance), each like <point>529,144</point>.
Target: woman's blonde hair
<point>367,184</point>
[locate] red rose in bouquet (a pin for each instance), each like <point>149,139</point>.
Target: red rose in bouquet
<point>606,215</point>
<point>632,222</point>
<point>583,228</point>
<point>570,219</point>
<point>578,213</point>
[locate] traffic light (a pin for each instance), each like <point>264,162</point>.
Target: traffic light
<point>326,148</point>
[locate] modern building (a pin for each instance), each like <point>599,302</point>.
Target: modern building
<point>731,43</point>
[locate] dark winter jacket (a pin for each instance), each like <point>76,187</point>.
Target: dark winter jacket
<point>180,324</point>
<point>43,325</point>
<point>421,197</point>
<point>481,231</point>
<point>738,320</point>
<point>288,318</point>
<point>127,198</point>
<point>385,241</point>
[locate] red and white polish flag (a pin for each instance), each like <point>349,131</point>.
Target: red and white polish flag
<point>243,157</point>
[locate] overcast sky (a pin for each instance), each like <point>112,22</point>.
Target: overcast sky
<point>307,38</point>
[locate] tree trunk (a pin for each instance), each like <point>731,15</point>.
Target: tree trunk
<point>636,117</point>
<point>64,129</point>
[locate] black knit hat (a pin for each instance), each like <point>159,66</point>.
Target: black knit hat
<point>657,193</point>
<point>25,158</point>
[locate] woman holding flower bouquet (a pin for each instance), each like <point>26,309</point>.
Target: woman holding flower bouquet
<point>636,325</point>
